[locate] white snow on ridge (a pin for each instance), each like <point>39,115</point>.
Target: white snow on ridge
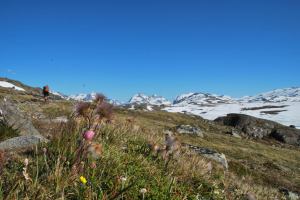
<point>83,97</point>
<point>90,97</point>
<point>58,94</point>
<point>281,105</point>
<point>202,99</point>
<point>153,100</point>
<point>279,95</point>
<point>183,96</point>
<point>10,85</point>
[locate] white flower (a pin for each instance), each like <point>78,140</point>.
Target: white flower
<point>143,190</point>
<point>26,162</point>
<point>123,178</point>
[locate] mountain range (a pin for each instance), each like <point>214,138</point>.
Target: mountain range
<point>280,105</point>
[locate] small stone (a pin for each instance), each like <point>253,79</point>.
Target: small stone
<point>250,196</point>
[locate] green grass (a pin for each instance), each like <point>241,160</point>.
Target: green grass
<point>254,166</point>
<point>52,176</point>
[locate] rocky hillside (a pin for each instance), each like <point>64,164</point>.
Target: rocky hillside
<point>47,148</point>
<point>15,89</point>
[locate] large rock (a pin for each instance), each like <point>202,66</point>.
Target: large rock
<point>188,129</point>
<point>210,154</point>
<point>261,128</point>
<point>21,142</point>
<point>13,117</point>
<point>17,120</point>
<point>289,195</point>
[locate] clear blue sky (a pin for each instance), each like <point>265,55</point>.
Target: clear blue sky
<point>121,47</point>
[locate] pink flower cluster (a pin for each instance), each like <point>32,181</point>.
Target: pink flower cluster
<point>89,135</point>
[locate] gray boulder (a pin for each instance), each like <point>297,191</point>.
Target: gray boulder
<point>210,154</point>
<point>289,195</point>
<point>260,128</point>
<point>30,136</point>
<point>21,142</point>
<point>13,117</point>
<point>188,129</point>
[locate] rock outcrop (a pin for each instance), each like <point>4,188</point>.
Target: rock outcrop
<point>190,130</point>
<point>30,136</point>
<point>261,128</point>
<point>21,142</point>
<point>16,119</point>
<point>210,154</point>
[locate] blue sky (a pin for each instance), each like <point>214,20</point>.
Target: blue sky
<point>121,47</point>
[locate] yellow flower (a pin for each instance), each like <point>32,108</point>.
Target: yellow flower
<point>83,180</point>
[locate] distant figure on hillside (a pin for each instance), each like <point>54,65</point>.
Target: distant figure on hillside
<point>46,92</point>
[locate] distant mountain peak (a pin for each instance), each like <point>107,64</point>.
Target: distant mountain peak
<point>278,95</point>
<point>154,100</point>
<point>90,97</point>
<point>201,98</point>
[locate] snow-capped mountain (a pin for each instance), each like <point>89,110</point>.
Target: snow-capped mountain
<point>59,94</point>
<point>202,99</point>
<point>83,97</point>
<point>90,97</point>
<point>152,100</point>
<point>281,105</point>
<point>279,95</point>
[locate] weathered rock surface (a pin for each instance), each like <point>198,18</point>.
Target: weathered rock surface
<point>289,195</point>
<point>16,119</point>
<point>30,136</point>
<point>210,154</point>
<point>188,129</point>
<point>261,128</point>
<point>21,142</point>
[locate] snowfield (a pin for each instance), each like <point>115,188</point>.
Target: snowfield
<point>290,115</point>
<point>10,85</point>
<point>281,105</point>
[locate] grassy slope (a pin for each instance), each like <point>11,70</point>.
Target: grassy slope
<point>276,165</point>
<point>254,166</point>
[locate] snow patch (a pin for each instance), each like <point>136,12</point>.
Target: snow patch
<point>10,85</point>
<point>280,105</point>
